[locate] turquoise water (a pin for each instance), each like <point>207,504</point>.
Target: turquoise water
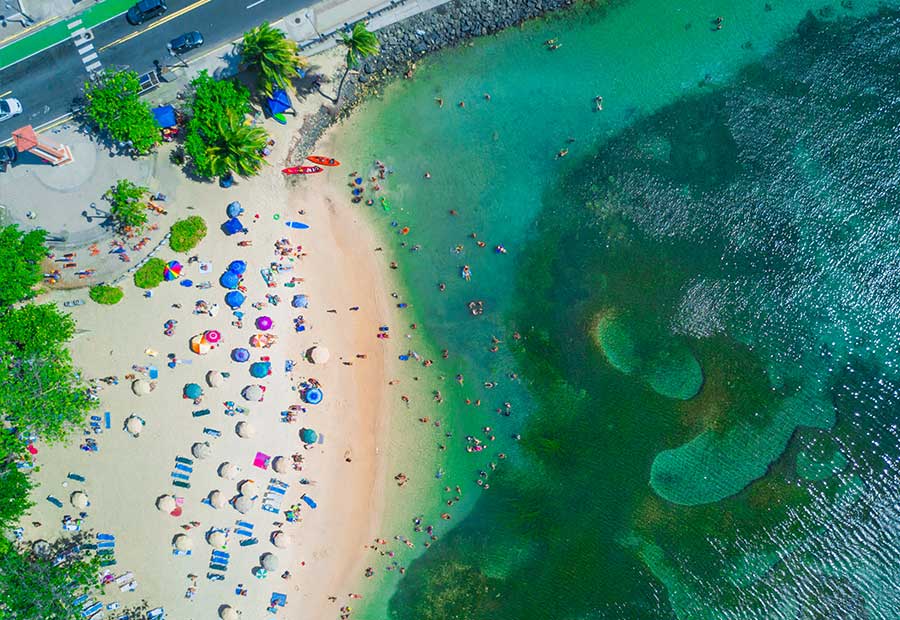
<point>705,289</point>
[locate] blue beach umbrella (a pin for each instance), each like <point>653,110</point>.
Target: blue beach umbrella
<point>230,280</point>
<point>240,354</point>
<point>300,301</point>
<point>193,391</point>
<point>313,396</point>
<point>260,369</point>
<point>308,435</point>
<point>238,267</point>
<point>234,209</point>
<point>234,299</point>
<point>232,226</point>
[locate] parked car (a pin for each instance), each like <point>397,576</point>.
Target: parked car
<point>144,10</point>
<point>185,43</point>
<point>8,156</point>
<point>9,108</point>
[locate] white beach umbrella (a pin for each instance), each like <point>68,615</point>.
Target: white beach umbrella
<point>80,500</point>
<point>214,378</point>
<point>282,540</point>
<point>253,393</point>
<point>229,613</point>
<point>281,465</point>
<point>229,471</point>
<point>166,503</point>
<point>140,387</point>
<point>269,561</point>
<point>243,504</point>
<point>319,355</point>
<point>41,548</point>
<point>217,499</point>
<point>245,430</point>
<point>134,425</point>
<point>201,450</point>
<point>183,543</point>
<point>248,488</point>
<point>217,539</point>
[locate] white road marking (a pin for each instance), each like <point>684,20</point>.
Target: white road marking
<point>250,6</point>
<point>75,23</point>
<point>88,59</point>
<point>94,67</point>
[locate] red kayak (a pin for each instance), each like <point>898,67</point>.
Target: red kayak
<point>303,170</point>
<point>323,161</point>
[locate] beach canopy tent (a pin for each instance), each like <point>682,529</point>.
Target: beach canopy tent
<point>269,561</point>
<point>166,503</point>
<point>193,391</point>
<point>253,393</point>
<point>240,354</point>
<point>232,226</point>
<point>182,542</point>
<point>279,102</point>
<point>172,270</point>
<point>300,301</point>
<point>264,323</point>
<point>243,504</point>
<point>201,450</point>
<point>234,209</point>
<point>245,430</point>
<point>140,387</point>
<point>214,378</point>
<point>217,499</point>
<point>282,540</point>
<point>229,471</point>
<point>230,280</point>
<point>308,435</point>
<point>281,465</point>
<point>238,267</point>
<point>235,299</point>
<point>164,116</point>
<point>260,370</point>
<point>318,355</point>
<point>217,539</point>
<point>313,396</point>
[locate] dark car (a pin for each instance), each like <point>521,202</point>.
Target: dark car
<point>144,10</point>
<point>185,43</point>
<point>8,156</point>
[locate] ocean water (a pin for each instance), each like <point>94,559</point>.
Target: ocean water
<point>694,326</point>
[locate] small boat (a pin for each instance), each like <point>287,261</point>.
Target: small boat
<point>323,161</point>
<point>303,170</point>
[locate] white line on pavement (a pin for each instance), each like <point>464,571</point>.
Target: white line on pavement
<point>88,59</point>
<point>75,23</point>
<point>250,6</point>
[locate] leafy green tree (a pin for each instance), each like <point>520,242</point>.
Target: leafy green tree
<point>14,489</point>
<point>187,233</point>
<point>20,254</point>
<point>150,274</point>
<point>39,390</point>
<point>127,208</point>
<point>114,105</point>
<point>105,294</point>
<point>273,56</point>
<point>232,147</point>
<point>360,44</point>
<point>31,588</point>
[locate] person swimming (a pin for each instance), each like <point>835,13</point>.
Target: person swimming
<point>466,273</point>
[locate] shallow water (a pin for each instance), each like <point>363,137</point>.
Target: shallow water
<point>706,290</point>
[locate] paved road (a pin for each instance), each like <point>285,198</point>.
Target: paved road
<point>48,83</point>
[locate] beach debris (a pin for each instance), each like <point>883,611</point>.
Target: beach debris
<point>269,561</point>
<point>243,504</point>
<point>248,487</point>
<point>318,355</point>
<point>183,542</point>
<point>166,503</point>
<point>229,471</point>
<point>217,499</point>
<point>214,378</point>
<point>282,540</point>
<point>253,392</point>
<point>308,435</point>
<point>79,500</point>
<point>141,387</point>
<point>201,450</point>
<point>217,538</point>
<point>281,464</point>
<point>245,430</point>
<point>134,425</point>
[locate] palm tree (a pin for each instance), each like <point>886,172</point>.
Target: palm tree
<point>360,44</point>
<point>237,148</point>
<point>274,57</point>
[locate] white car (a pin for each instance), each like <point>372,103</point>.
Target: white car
<point>9,108</point>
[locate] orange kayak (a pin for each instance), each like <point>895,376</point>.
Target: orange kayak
<point>323,161</point>
<point>302,170</point>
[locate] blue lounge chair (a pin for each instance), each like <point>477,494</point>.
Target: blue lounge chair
<point>106,551</point>
<point>215,577</point>
<point>81,600</point>
<point>76,477</point>
<point>309,501</point>
<point>212,431</point>
<point>180,476</point>
<point>106,563</point>
<point>187,468</point>
<point>224,555</point>
<point>106,545</point>
<point>220,567</point>
<point>54,501</point>
<point>106,419</point>
<point>275,489</point>
<point>244,524</point>
<point>200,413</point>
<point>242,532</point>
<point>90,611</point>
<point>180,552</point>
<point>184,459</point>
<point>248,541</point>
<point>105,537</point>
<point>182,484</point>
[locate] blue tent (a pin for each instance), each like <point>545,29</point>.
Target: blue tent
<point>165,116</point>
<point>230,280</point>
<point>300,301</point>
<point>234,209</point>
<point>232,226</point>
<point>279,102</point>
<point>238,267</point>
<point>234,299</point>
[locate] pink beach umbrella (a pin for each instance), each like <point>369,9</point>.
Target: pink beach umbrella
<point>212,336</point>
<point>264,323</point>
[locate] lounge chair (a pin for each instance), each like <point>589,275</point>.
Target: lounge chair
<point>212,431</point>
<point>184,459</point>
<point>220,567</point>
<point>215,577</point>
<point>81,600</point>
<point>275,489</point>
<point>242,532</point>
<point>244,524</point>
<point>54,501</point>
<point>106,537</point>
<point>220,555</point>
<point>106,419</point>
<point>105,551</point>
<point>248,541</point>
<point>90,611</point>
<point>182,467</point>
<point>183,485</point>
<point>200,413</point>
<point>178,476</point>
<point>76,477</point>
<point>106,545</point>
<point>278,599</point>
<point>181,552</point>
<point>105,563</point>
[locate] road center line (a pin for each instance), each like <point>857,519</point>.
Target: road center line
<point>250,6</point>
<point>155,24</point>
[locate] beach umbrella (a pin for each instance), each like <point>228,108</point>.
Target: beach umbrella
<point>245,430</point>
<point>232,226</point>
<point>308,435</point>
<point>264,323</point>
<point>80,500</point>
<point>233,209</point>
<point>243,504</point>
<point>300,301</point>
<point>229,613</point>
<point>212,335</point>
<point>229,471</point>
<point>269,561</point>
<point>166,503</point>
<point>260,369</point>
<point>200,345</point>
<point>201,450</point>
<point>237,267</point>
<point>193,391</point>
<point>240,354</point>
<point>248,488</point>
<point>230,280</point>
<point>256,340</point>
<point>282,540</point>
<point>140,387</point>
<point>134,425</point>
<point>319,355</point>
<point>183,543</point>
<point>234,299</point>
<point>217,539</point>
<point>253,392</point>
<point>214,378</point>
<point>313,396</point>
<point>171,271</point>
<point>217,499</point>
<point>41,548</point>
<point>281,465</point>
